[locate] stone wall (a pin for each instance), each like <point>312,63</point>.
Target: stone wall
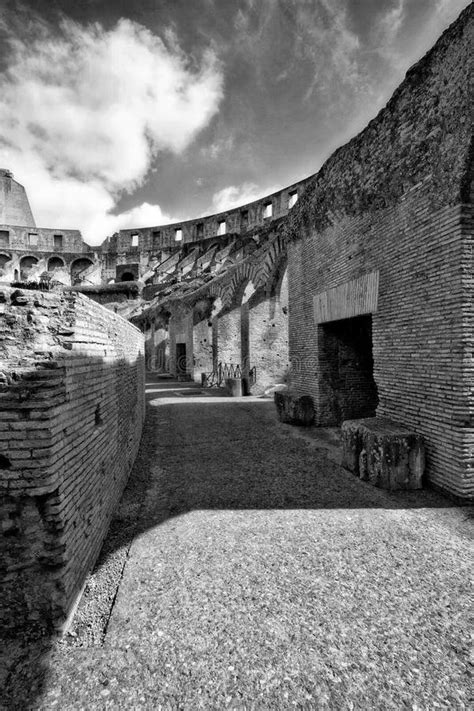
<point>14,205</point>
<point>394,203</point>
<point>72,394</point>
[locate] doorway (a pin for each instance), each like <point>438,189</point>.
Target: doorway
<point>346,365</point>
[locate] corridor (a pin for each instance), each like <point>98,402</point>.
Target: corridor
<point>252,572</point>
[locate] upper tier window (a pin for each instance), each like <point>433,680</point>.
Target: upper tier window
<point>292,198</point>
<point>32,239</point>
<point>135,240</point>
<point>221,228</point>
<point>268,210</point>
<point>178,235</point>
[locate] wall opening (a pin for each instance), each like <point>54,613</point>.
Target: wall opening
<point>221,227</point>
<point>268,210</point>
<point>5,463</point>
<point>127,276</point>
<point>244,220</point>
<point>4,238</point>
<point>27,264</point>
<point>178,235</point>
<point>347,386</point>
<point>58,241</point>
<point>55,263</point>
<point>181,359</point>
<point>292,199</point>
<point>79,268</point>
<point>134,240</point>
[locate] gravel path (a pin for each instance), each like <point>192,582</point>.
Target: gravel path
<point>257,574</point>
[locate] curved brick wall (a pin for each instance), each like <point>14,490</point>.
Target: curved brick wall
<point>72,395</point>
<point>386,229</point>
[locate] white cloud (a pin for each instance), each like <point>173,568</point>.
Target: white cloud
<point>84,111</point>
<point>236,195</point>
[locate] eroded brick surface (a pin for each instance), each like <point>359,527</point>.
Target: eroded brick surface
<point>71,392</point>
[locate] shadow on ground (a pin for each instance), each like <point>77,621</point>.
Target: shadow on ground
<point>203,450</point>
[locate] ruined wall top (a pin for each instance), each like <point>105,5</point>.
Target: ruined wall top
<point>14,205</point>
<point>424,133</point>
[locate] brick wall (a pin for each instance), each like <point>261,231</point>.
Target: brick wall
<point>268,336</point>
<point>72,394</point>
<point>395,200</point>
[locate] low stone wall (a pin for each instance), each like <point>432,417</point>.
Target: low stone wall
<point>71,416</point>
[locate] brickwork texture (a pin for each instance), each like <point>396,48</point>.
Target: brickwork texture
<point>72,408</point>
<point>398,200</point>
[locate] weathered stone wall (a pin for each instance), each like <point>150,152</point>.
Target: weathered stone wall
<point>72,395</point>
<point>394,201</point>
<point>14,205</point>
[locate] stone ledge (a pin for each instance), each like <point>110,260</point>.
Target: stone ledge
<point>294,409</point>
<point>383,452</point>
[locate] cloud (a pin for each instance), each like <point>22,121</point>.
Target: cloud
<point>236,195</point>
<point>85,110</point>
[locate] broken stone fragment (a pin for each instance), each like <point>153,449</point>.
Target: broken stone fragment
<point>294,409</point>
<point>384,453</point>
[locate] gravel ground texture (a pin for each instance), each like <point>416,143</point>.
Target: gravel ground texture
<point>246,570</point>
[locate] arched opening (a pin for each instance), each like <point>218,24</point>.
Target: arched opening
<point>55,263</point>
<point>27,264</point>
<point>4,259</point>
<point>127,276</point>
<point>78,267</point>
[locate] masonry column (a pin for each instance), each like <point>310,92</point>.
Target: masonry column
<point>268,336</point>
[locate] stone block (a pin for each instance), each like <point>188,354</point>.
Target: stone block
<point>383,452</point>
<point>294,409</point>
<point>234,387</point>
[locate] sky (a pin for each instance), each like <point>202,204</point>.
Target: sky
<point>121,113</point>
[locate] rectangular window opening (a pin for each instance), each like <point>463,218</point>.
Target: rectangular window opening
<point>244,220</point>
<point>4,238</point>
<point>58,241</point>
<point>178,235</point>
<point>200,229</point>
<point>135,240</point>
<point>156,235</point>
<point>221,228</point>
<point>292,198</point>
<point>32,239</point>
<point>268,210</point>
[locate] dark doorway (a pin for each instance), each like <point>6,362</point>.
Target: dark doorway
<point>347,386</point>
<point>181,359</point>
<point>127,276</point>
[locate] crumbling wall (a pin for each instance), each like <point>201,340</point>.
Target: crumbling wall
<point>394,202</point>
<point>72,407</point>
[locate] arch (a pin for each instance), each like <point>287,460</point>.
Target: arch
<point>78,266</point>
<point>27,263</point>
<point>55,263</point>
<point>4,258</point>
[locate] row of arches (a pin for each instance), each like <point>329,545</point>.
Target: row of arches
<point>26,266</point>
<point>238,322</point>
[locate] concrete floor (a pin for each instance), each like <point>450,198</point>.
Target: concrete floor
<point>260,575</point>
